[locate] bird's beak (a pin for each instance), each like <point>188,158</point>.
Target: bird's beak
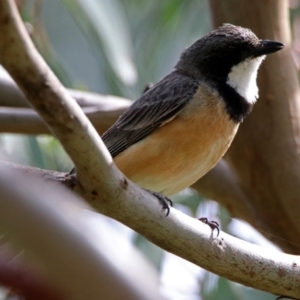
<point>267,47</point>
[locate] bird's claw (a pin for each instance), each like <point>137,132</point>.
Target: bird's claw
<point>163,200</point>
<point>212,224</point>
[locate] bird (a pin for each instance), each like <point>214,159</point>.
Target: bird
<point>178,130</point>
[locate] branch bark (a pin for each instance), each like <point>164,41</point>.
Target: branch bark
<point>105,188</point>
<point>16,116</point>
<point>49,98</point>
<point>11,96</point>
<point>65,246</point>
<point>27,121</point>
<point>190,239</point>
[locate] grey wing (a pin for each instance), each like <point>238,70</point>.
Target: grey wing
<point>156,106</point>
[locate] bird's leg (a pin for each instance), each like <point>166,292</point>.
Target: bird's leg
<point>285,297</point>
<point>73,171</point>
<point>163,200</point>
<point>212,224</point>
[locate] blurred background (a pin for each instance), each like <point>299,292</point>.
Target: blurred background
<point>117,47</point>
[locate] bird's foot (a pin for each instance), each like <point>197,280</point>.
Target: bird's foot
<point>285,297</point>
<point>73,171</point>
<point>212,224</point>
<point>163,200</point>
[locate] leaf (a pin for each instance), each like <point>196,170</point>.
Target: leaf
<point>105,22</point>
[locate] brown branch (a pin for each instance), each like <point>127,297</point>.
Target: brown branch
<point>16,116</point>
<point>22,279</point>
<point>222,183</point>
<point>65,246</point>
<point>190,239</point>
<point>27,121</point>
<point>49,98</point>
<point>265,153</point>
<point>11,96</point>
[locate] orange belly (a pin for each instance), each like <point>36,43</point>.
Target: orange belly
<point>181,151</point>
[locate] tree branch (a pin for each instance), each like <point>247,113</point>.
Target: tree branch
<point>17,117</point>
<point>64,244</point>
<point>265,153</point>
<point>221,183</point>
<point>192,240</point>
<point>49,98</point>
<point>27,121</point>
<point>11,96</point>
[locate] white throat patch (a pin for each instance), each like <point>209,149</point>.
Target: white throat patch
<point>242,78</point>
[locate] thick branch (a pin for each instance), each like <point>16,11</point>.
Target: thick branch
<point>27,121</point>
<point>65,245</point>
<point>45,93</point>
<point>190,239</point>
<point>17,117</point>
<point>265,152</point>
<point>222,183</point>
<point>11,96</point>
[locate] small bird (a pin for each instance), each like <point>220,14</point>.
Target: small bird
<point>182,126</point>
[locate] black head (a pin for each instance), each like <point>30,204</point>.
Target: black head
<point>217,52</point>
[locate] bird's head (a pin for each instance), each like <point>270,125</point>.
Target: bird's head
<point>230,54</point>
